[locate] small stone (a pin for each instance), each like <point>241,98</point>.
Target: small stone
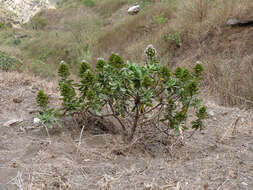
<point>36,120</point>
<point>17,100</point>
<point>245,184</point>
<point>12,122</point>
<point>211,113</point>
<point>147,187</point>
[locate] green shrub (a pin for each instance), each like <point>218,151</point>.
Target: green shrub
<point>135,95</point>
<point>174,37</point>
<point>42,99</point>
<point>3,26</point>
<point>70,104</point>
<point>48,116</point>
<point>9,63</point>
<point>16,41</point>
<point>38,23</point>
<point>89,3</point>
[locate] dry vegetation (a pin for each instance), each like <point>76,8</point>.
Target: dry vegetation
<point>183,32</point>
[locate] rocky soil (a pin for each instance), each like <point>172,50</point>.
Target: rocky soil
<point>23,10</point>
<point>219,158</point>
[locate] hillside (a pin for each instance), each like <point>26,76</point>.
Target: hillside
<point>22,11</point>
<point>182,31</point>
<point>35,36</point>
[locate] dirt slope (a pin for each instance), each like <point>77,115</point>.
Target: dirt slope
<point>221,156</point>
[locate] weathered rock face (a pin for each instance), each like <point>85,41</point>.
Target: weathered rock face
<point>25,9</point>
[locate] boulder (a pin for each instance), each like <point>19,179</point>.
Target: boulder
<point>134,10</point>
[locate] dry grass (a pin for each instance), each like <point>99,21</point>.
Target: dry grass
<point>107,7</point>
<point>10,78</point>
<point>231,79</point>
<point>133,31</point>
<point>200,24</point>
<point>198,17</point>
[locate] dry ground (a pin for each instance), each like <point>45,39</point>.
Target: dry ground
<point>219,158</point>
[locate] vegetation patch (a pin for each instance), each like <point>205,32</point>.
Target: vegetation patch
<point>136,96</point>
<point>9,63</point>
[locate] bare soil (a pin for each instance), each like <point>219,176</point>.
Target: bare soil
<point>218,158</point>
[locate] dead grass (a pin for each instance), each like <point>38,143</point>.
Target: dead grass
<point>10,78</point>
<point>231,79</point>
<point>75,32</point>
<point>132,31</point>
<point>107,7</point>
<point>198,17</point>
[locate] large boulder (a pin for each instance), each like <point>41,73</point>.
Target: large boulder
<point>134,10</point>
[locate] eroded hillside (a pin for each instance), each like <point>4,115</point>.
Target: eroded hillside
<point>22,10</point>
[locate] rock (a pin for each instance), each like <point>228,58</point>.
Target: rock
<point>36,120</point>
<point>134,10</point>
<point>241,23</point>
<point>211,113</point>
<point>243,183</point>
<point>23,10</point>
<point>17,100</point>
<point>233,21</point>
<point>12,122</point>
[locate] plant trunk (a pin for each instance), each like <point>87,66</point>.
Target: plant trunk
<point>135,124</point>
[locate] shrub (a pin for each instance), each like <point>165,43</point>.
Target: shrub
<point>38,23</point>
<point>42,99</point>
<point>135,95</point>
<point>9,63</point>
<point>48,116</point>
<point>3,26</point>
<point>175,37</point>
<point>70,103</point>
<point>89,3</point>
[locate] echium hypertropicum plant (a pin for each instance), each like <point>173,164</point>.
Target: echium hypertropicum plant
<point>70,103</point>
<point>151,53</point>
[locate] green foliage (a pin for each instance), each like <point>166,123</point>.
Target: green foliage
<point>9,63</point>
<point>198,69</point>
<point>69,101</point>
<point>135,95</point>
<point>38,23</point>
<point>116,61</point>
<point>47,116</point>
<point>151,54</point>
<point>63,71</point>
<point>145,3</point>
<point>160,19</point>
<point>16,41</point>
<point>3,26</point>
<point>42,99</point>
<point>89,3</point>
<point>50,117</point>
<point>174,37</point>
<point>84,67</point>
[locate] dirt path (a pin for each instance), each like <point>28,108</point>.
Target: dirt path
<point>221,157</point>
